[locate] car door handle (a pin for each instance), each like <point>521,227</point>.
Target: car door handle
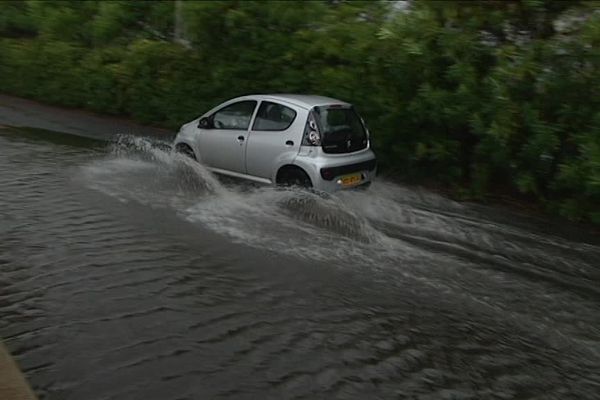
<point>240,138</point>
<point>289,143</point>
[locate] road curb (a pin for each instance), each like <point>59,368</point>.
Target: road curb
<point>13,385</point>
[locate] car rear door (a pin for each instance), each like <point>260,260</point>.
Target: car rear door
<point>274,138</point>
<point>223,144</point>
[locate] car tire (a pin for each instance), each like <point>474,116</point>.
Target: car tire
<point>294,177</point>
<point>186,150</point>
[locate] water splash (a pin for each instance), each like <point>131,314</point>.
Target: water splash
<point>388,222</point>
<point>292,220</point>
<point>344,227</point>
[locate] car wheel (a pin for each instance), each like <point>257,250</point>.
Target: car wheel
<point>293,177</point>
<point>185,150</point>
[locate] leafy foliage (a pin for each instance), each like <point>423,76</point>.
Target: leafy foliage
<point>484,97</point>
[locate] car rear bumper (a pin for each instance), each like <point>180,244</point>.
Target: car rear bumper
<point>332,173</point>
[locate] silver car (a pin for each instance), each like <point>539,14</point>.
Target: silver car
<point>285,139</point>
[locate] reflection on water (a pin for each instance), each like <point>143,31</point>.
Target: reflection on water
<point>132,272</point>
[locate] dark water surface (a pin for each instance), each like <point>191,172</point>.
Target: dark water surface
<point>128,272</point>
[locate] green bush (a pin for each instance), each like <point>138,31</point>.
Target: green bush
<point>482,97</point>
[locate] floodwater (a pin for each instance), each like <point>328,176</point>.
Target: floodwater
<point>130,272</point>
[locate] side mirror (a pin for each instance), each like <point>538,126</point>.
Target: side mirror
<point>204,123</point>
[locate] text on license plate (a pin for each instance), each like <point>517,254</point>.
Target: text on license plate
<point>349,180</point>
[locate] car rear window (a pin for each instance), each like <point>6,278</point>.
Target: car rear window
<point>341,129</point>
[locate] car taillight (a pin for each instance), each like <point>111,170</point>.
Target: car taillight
<point>327,173</point>
<point>312,136</point>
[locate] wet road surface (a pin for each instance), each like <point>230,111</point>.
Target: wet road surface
<point>129,272</point>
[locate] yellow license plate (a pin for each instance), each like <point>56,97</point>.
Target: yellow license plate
<point>350,180</point>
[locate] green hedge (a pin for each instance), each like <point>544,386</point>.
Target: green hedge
<point>484,98</point>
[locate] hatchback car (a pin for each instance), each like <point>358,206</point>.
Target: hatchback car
<point>286,139</point>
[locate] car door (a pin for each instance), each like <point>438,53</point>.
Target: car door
<point>275,136</point>
<point>222,144</point>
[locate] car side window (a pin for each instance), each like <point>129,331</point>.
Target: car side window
<point>273,117</point>
<point>234,116</point>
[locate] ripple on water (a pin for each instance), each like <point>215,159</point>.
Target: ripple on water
<point>136,274</point>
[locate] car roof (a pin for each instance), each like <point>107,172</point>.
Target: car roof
<point>302,100</point>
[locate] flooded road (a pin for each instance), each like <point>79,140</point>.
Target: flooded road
<point>129,272</point>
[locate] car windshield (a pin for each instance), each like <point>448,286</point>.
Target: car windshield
<point>339,124</point>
